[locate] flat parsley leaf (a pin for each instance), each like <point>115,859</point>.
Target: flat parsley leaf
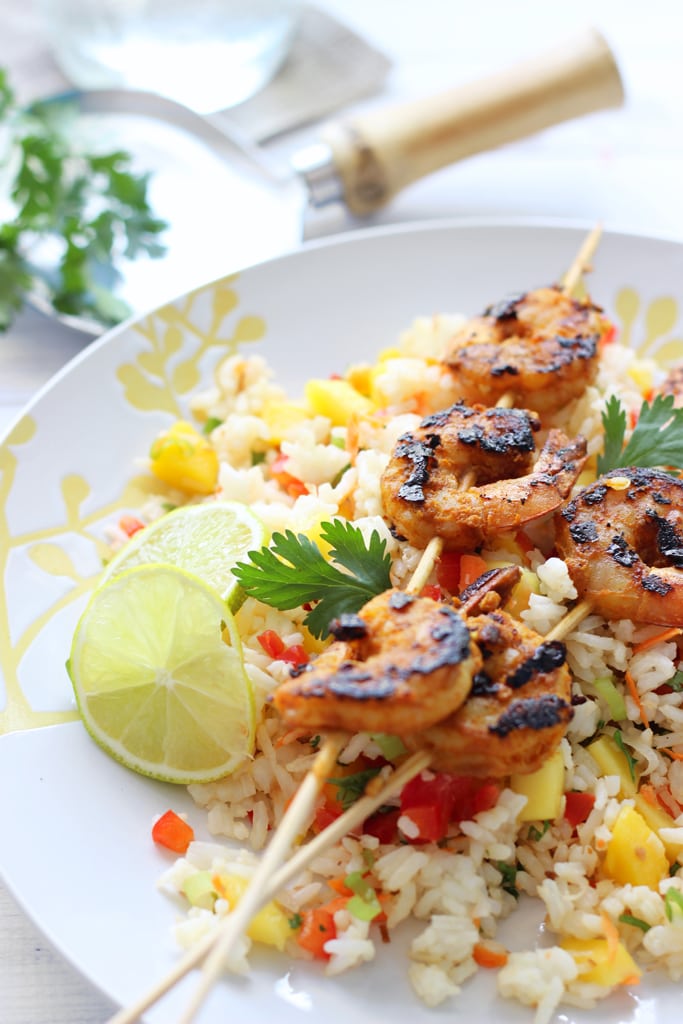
<point>293,571</point>
<point>657,438</point>
<point>88,209</point>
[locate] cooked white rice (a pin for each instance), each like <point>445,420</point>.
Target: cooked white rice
<point>462,891</point>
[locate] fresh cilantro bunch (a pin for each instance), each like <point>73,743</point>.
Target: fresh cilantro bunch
<point>87,207</point>
<point>657,438</point>
<point>293,572</point>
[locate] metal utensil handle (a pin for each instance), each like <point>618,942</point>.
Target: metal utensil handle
<point>378,154</point>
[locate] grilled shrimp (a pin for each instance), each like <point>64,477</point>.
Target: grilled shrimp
<point>622,540</point>
<point>517,712</point>
<point>421,486</point>
<point>540,347</point>
<point>399,665</point>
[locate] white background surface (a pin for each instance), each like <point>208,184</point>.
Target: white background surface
<point>624,168</point>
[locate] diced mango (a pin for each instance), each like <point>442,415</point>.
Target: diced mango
<point>359,376</point>
<point>336,399</point>
<point>527,585</point>
<point>270,926</point>
<point>599,963</point>
<point>613,761</point>
<point>184,459</point>
<point>543,790</point>
<point>280,417</point>
<point>641,374</point>
<point>656,817</point>
<point>635,854</point>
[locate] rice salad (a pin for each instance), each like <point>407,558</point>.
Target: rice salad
<point>300,463</point>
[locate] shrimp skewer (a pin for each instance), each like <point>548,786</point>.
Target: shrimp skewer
<point>622,540</point>
<point>521,345</point>
<point>425,494</point>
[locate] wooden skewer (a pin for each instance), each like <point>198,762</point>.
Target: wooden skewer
<point>228,930</point>
<point>269,877</point>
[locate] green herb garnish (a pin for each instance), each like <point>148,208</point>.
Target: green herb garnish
<point>536,833</point>
<point>293,572</point>
<point>676,681</point>
<point>509,873</point>
<point>613,698</point>
<point>210,425</point>
<point>657,438</point>
<point>91,208</point>
<point>637,922</point>
<point>673,905</point>
<point>619,740</point>
<point>295,921</point>
<point>352,787</point>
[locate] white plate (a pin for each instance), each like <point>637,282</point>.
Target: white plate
<point>75,847</point>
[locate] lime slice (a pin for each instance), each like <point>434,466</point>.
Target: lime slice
<point>157,685</point>
<point>206,539</point>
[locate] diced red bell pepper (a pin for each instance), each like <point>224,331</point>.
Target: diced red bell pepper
<point>325,813</point>
<point>577,807</point>
<point>291,484</point>
<point>131,525</point>
<point>448,798</point>
<point>382,825</point>
<point>431,590</point>
<point>471,568</point>
<point>448,571</point>
<point>430,820</point>
<point>272,643</point>
<point>317,928</point>
<point>295,654</point>
<point>171,831</point>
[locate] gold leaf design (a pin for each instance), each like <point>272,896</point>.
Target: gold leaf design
<point>152,362</point>
<point>143,394</point>
<point>626,305</point>
<point>185,377</point>
<point>660,319</point>
<point>23,431</point>
<point>172,341</point>
<point>250,328</point>
<point>75,489</point>
<point>224,301</point>
<point>53,560</point>
<point>670,353</point>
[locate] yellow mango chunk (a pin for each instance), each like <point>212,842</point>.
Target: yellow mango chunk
<point>543,790</point>
<point>613,761</point>
<point>280,417</point>
<point>182,458</point>
<point>656,817</point>
<point>602,964</point>
<point>270,926</point>
<point>527,585</point>
<point>359,376</point>
<point>635,854</point>
<point>641,374</point>
<point>336,399</point>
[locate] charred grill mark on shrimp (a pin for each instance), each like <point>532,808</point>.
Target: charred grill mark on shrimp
<point>624,546</point>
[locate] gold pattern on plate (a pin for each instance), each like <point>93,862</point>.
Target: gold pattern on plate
<point>175,341</point>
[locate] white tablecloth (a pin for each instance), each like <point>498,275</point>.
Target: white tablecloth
<point>624,168</point>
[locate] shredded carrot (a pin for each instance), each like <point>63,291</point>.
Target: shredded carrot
<point>658,638</point>
<point>338,885</point>
<point>631,979</point>
<point>471,568</point>
<point>489,955</point>
<point>672,753</point>
<point>611,934</point>
<point>649,794</point>
<point>633,690</point>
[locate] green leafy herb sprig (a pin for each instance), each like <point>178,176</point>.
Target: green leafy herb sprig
<point>293,572</point>
<point>657,438</point>
<point>89,207</point>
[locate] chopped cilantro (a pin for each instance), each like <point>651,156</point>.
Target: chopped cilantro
<point>636,922</point>
<point>619,740</point>
<point>293,572</point>
<point>657,438</point>
<point>295,921</point>
<point>509,873</point>
<point>352,787</point>
<point>211,423</point>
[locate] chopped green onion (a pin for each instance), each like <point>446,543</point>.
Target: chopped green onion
<point>636,922</point>
<point>612,697</point>
<point>673,906</point>
<point>364,904</point>
<point>368,858</point>
<point>619,740</point>
<point>509,873</point>
<point>391,746</point>
<point>210,425</point>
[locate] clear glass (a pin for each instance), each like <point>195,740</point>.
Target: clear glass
<point>207,54</point>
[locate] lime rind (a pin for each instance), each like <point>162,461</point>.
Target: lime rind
<point>206,539</point>
<point>157,686</point>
